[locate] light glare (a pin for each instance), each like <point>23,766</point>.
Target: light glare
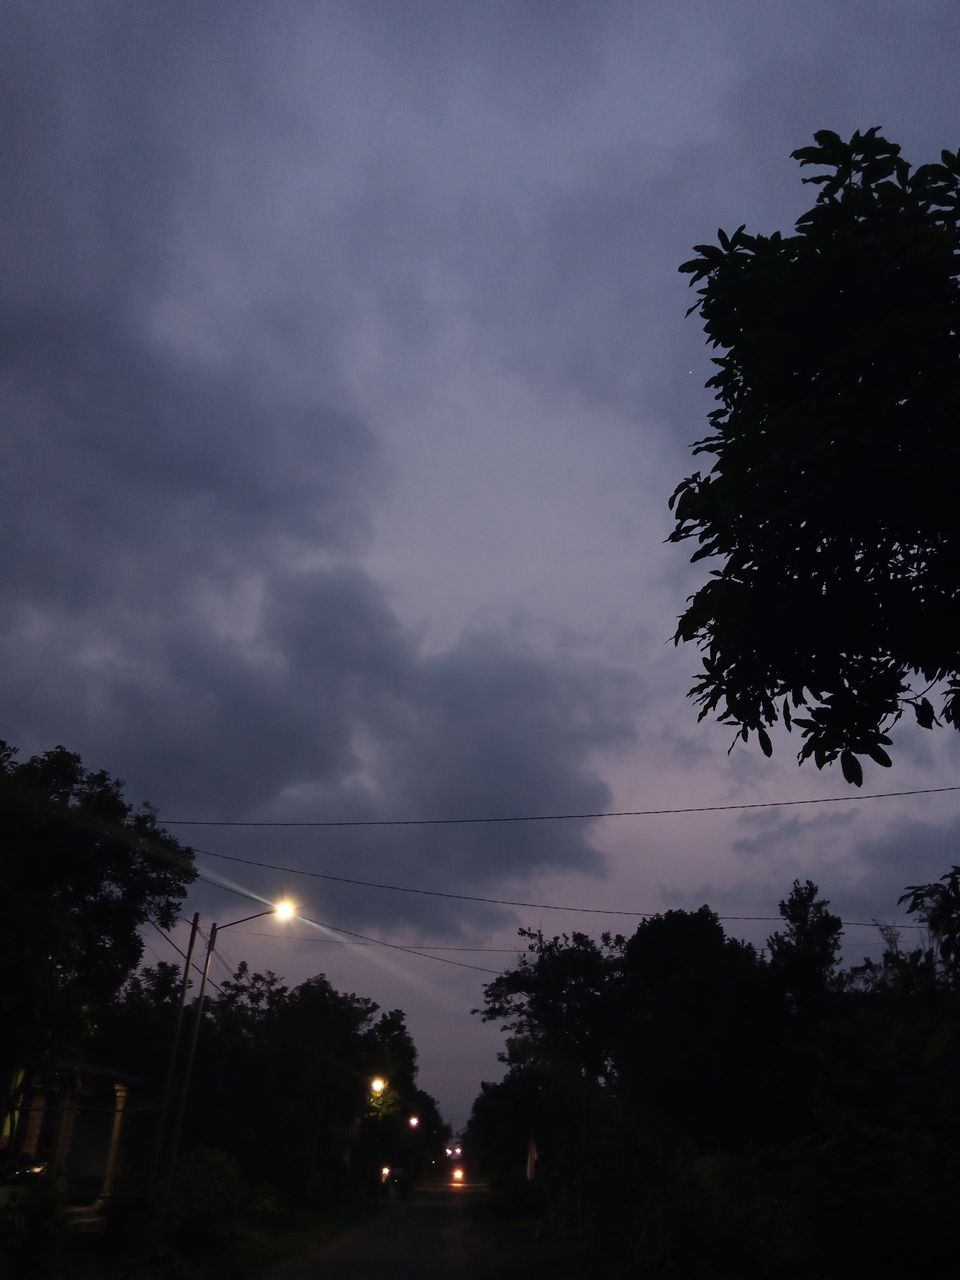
<point>285,910</point>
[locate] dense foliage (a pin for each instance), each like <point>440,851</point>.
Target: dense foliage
<point>82,871</point>
<point>832,495</point>
<point>282,1079</point>
<point>280,1095</point>
<point>699,1108</point>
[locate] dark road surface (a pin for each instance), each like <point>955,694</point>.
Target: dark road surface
<point>436,1235</point>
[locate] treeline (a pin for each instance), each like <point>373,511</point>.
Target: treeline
<point>281,1083</point>
<point>683,1104</point>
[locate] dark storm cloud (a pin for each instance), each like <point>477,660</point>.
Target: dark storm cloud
<point>861,864</point>
<point>326,708</point>
<point>487,727</point>
<point>129,471</point>
<point>235,236</point>
<point>881,867</point>
<point>184,509</point>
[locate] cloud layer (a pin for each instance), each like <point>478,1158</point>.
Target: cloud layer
<point>344,378</point>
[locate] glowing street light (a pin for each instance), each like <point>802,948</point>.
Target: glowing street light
<point>377,1085</point>
<point>413,1121</point>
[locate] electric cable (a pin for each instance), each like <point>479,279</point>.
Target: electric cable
<point>380,942</point>
<point>193,964</point>
<point>395,946</point>
<point>499,902</point>
<point>336,942</point>
<point>556,817</point>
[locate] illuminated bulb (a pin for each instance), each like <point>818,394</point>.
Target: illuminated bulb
<point>285,910</point>
<point>378,1084</point>
<point>414,1121</point>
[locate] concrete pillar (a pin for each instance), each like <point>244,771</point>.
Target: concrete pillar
<point>120,1090</point>
<point>31,1132</point>
<point>63,1134</point>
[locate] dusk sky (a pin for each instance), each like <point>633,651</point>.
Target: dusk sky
<point>345,380</point>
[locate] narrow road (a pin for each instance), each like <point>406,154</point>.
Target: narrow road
<point>436,1235</point>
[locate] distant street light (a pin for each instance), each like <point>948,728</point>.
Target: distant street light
<point>413,1121</point>
<point>283,910</point>
<point>377,1085</point>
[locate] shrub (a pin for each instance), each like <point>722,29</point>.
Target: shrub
<point>205,1198</point>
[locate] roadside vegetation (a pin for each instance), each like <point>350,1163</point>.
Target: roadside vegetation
<point>680,1103</point>
<point>298,1096</point>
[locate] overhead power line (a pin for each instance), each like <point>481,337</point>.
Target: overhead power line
<point>380,942</point>
<point>338,942</point>
<point>163,933</point>
<point>556,817</point>
<point>498,902</point>
<point>395,946</point>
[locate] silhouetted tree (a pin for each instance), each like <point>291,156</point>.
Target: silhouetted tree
<point>831,499</point>
<point>696,1011</point>
<point>133,1031</point>
<point>804,957</point>
<point>938,906</point>
<point>558,1005</point>
<point>506,1117</point>
<point>555,1003</point>
<point>700,1109</point>
<point>82,872</point>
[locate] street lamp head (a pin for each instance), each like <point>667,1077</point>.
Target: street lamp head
<point>378,1084</point>
<point>414,1121</point>
<point>285,909</point>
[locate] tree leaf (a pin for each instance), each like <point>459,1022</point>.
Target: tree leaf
<point>852,769</point>
<point>925,714</point>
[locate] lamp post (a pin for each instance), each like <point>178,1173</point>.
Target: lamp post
<point>172,1063</point>
<point>284,910</point>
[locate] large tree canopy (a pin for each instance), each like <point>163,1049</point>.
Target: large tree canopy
<point>294,1065</point>
<point>699,1108</point>
<point>81,873</point>
<point>832,498</point>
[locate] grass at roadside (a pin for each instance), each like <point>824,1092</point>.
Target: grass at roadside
<point>246,1252</point>
<point>504,1247</point>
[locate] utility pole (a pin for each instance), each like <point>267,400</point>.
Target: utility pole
<point>188,1069</point>
<point>172,1063</point>
<point>284,910</point>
